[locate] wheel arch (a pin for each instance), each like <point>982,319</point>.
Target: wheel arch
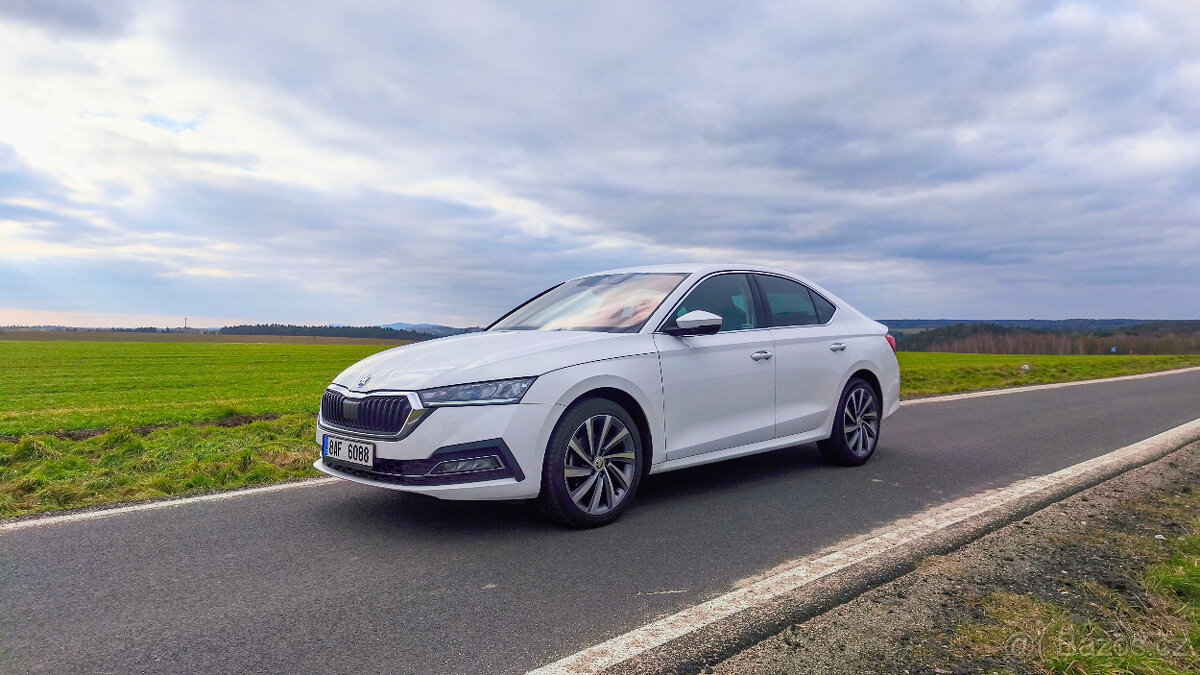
<point>631,406</point>
<point>863,372</point>
<point>870,378</point>
<point>634,383</point>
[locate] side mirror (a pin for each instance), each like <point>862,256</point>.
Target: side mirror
<point>695,322</point>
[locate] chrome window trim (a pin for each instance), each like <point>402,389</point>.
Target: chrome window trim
<point>416,413</point>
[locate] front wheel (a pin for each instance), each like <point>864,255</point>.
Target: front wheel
<point>593,465</point>
<point>855,428</point>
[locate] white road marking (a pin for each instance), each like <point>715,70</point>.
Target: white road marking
<point>8,525</point>
<point>789,578</point>
<point>23,524</point>
<point>1040,387</point>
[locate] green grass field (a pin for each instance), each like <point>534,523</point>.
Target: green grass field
<point>52,387</point>
<point>86,423</point>
<point>928,374</point>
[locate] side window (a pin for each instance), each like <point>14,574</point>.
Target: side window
<point>789,303</point>
<point>825,308</point>
<point>728,296</point>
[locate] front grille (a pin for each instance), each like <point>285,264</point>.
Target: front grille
<point>372,414</point>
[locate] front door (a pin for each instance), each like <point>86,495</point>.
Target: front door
<point>718,390</point>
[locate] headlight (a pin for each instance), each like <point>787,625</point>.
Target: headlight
<point>479,393</point>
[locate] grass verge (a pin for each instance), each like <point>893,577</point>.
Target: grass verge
<point>46,473</point>
<point>1155,629</point>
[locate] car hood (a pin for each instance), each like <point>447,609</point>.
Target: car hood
<point>477,357</point>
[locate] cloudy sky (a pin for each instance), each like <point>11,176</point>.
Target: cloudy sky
<point>369,162</point>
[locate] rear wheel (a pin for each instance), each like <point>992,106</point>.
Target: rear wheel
<point>855,428</point>
<point>593,465</point>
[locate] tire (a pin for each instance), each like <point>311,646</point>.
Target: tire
<point>583,488</point>
<point>855,433</point>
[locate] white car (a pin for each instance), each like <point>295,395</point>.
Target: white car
<point>575,395</point>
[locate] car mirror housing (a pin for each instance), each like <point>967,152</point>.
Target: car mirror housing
<point>695,322</point>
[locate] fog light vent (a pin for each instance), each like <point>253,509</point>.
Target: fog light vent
<point>468,465</point>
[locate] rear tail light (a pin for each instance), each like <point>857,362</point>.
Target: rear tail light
<point>891,342</point>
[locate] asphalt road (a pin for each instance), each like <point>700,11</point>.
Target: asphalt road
<point>344,578</point>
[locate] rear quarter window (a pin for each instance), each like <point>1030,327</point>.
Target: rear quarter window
<point>825,308</point>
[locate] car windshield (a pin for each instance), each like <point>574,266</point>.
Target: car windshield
<point>611,303</point>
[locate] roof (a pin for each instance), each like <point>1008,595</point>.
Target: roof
<point>693,268</point>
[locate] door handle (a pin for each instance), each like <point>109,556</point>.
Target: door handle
<point>761,355</point>
<point>837,347</point>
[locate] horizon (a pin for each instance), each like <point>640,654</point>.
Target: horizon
<point>51,327</point>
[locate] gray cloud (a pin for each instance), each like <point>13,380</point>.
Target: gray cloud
<point>72,17</point>
<point>934,159</point>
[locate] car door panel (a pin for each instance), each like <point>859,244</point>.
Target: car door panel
<point>715,396</point>
<point>807,377</point>
<point>718,390</point>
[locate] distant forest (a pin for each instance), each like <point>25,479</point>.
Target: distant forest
<point>1159,337</point>
<point>373,332</point>
<point>1056,325</point>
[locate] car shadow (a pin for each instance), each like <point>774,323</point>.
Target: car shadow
<point>420,515</point>
<point>731,475</point>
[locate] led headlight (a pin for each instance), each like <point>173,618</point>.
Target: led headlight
<point>479,393</point>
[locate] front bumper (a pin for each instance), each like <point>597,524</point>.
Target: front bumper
<point>517,434</point>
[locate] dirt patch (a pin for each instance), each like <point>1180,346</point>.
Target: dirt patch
<point>989,606</point>
<point>84,434</point>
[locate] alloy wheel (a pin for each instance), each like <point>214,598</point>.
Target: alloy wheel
<point>600,464</point>
<point>860,420</point>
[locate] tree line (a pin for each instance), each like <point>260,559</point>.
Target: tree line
<point>372,332</point>
<point>1174,337</point>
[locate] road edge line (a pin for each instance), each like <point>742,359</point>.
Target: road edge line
<point>790,578</point>
<point>28,522</point>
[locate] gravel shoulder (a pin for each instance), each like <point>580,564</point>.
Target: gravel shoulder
<point>1070,579</point>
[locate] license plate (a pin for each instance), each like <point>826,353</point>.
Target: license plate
<point>355,452</point>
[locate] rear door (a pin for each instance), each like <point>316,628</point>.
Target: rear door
<point>718,390</point>
<point>810,354</point>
